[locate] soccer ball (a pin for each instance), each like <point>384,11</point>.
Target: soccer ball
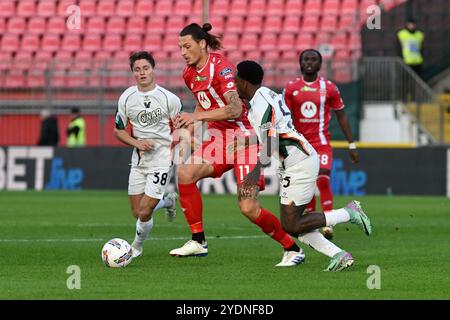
<point>117,253</point>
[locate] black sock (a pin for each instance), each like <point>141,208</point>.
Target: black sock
<point>199,237</point>
<point>294,247</point>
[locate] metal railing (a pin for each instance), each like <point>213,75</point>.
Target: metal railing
<point>389,80</point>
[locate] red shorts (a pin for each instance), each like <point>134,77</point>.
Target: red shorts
<point>242,161</point>
<point>325,155</point>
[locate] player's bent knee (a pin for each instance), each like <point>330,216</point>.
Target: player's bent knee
<point>145,215</point>
<point>249,208</point>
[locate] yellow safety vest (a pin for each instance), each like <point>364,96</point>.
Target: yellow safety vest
<point>411,45</point>
<point>80,139</point>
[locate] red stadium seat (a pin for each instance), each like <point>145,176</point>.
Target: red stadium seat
<point>234,56</point>
<point>249,42</point>
<point>42,60</point>
<point>63,60</point>
<point>348,22</point>
<point>15,79</point>
<point>235,24</point>
<point>144,8</point>
<point>71,42</point>
<point>35,80</point>
<point>268,41</point>
<point>253,23</point>
<point>163,8</point>
<point>2,25</point>
<point>152,42</point>
<point>230,41</point>
<point>7,9</point>
<point>87,8</point>
<point>339,41</point>
<point>254,55</point>
<point>125,8</point>
<point>156,24</point>
<point>294,8</point>
<point>101,58</point>
<point>6,60</point>
<point>256,8</point>
<point>349,7</point>
<point>312,7</point>
<point>136,25</point>
<point>310,23</point>
<point>36,25</point>
<point>23,60</point>
<point>116,25</point>
<point>91,42</point>
<point>50,42</point>
<point>56,25</point>
<point>16,25</point>
<point>238,8</point>
<point>218,24</point>
<point>106,8</point>
<point>331,8</point>
<point>175,24</point>
<point>112,43</point>
<point>273,24</point>
<point>275,8</point>
<point>220,8</point>
<point>304,41</point>
<point>132,42</point>
<point>26,8</point>
<point>30,42</point>
<point>63,5</point>
<point>170,42</point>
<point>77,79</point>
<point>329,23</point>
<point>342,54</point>
<point>286,41</point>
<point>182,7</point>
<point>82,61</point>
<point>46,8</point>
<point>10,43</point>
<point>291,24</point>
<point>96,25</point>
<point>322,38</point>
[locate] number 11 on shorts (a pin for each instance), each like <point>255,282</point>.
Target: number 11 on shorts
<point>243,168</point>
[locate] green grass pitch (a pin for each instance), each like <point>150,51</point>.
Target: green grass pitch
<point>43,233</point>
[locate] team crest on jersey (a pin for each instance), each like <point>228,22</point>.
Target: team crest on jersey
<point>308,109</point>
<point>147,118</point>
<point>308,89</point>
<point>204,100</point>
<point>225,71</point>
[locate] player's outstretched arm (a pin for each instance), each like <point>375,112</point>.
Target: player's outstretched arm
<point>143,145</point>
<point>345,127</point>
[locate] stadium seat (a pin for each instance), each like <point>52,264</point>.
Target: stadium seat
<point>7,9</point>
<point>182,7</point>
<point>339,41</point>
<point>143,8</point>
<point>268,41</point>
<point>63,5</point>
<point>125,8</point>
<point>152,42</point>
<point>58,79</point>
<point>23,60</point>
<point>254,23</point>
<point>331,8</point>
<point>275,8</point>
<point>322,38</point>
<point>218,25</point>
<point>234,24</point>
<point>36,25</point>
<point>56,25</point>
<point>106,8</point>
<point>35,80</point>
<point>348,22</point>
<point>328,23</point>
<point>10,43</point>
<point>156,24</point>
<point>50,42</point>
<point>342,54</point>
<point>293,8</point>
<point>96,25</point>
<point>163,8</point>
<point>30,42</point>
<point>100,59</point>
<point>310,23</point>
<point>112,43</point>
<point>46,8</point>
<point>286,41</point>
<point>77,79</point>
<point>15,79</point>
<point>87,7</point>
<point>220,8</point>
<point>234,56</point>
<point>230,41</point>
<point>82,61</point>
<point>349,7</point>
<point>305,40</point>
<point>71,42</point>
<point>132,42</point>
<point>91,42</point>
<point>273,24</point>
<point>175,24</point>
<point>26,8</point>
<point>312,7</point>
<point>2,25</point>
<point>291,24</point>
<point>16,25</point>
<point>116,25</point>
<point>249,42</point>
<point>136,25</point>
<point>238,8</point>
<point>63,60</point>
<point>256,8</point>
<point>170,42</point>
<point>42,60</point>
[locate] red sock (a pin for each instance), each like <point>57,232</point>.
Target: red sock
<point>326,197</point>
<point>311,206</point>
<point>191,202</point>
<point>270,225</point>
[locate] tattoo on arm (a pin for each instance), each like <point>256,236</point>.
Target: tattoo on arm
<point>234,104</point>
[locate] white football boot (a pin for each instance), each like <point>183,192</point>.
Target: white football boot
<point>191,249</point>
<point>292,258</point>
<point>137,249</point>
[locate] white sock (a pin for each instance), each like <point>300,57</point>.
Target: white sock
<point>336,216</point>
<point>161,204</point>
<point>142,230</point>
<point>318,242</point>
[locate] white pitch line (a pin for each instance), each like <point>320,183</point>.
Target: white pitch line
<point>150,239</point>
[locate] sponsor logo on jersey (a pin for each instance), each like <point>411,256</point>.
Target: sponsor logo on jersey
<point>308,89</point>
<point>228,76</point>
<point>308,109</point>
<point>225,71</point>
<point>146,118</point>
<point>200,78</point>
<point>204,100</point>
